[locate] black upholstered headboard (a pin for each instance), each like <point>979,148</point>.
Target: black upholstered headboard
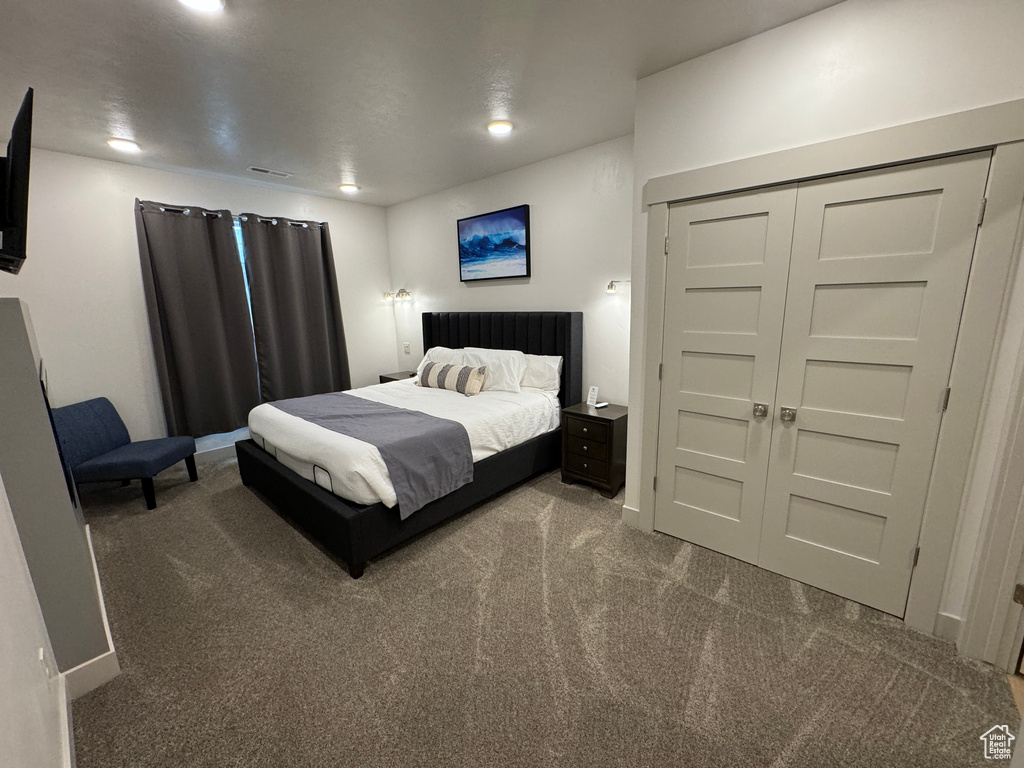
<point>534,333</point>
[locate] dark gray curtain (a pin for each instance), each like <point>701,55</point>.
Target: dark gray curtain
<point>198,317</point>
<point>300,342</point>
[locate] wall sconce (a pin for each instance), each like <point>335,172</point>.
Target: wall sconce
<point>400,295</point>
<point>613,286</point>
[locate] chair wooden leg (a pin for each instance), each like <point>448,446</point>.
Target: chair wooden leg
<point>149,492</point>
<point>190,464</point>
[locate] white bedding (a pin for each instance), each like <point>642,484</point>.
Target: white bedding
<point>355,470</point>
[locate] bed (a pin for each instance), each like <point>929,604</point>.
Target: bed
<point>356,532</point>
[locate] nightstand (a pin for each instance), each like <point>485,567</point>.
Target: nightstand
<point>396,376</point>
<point>594,446</point>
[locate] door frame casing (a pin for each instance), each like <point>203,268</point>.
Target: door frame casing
<point>999,128</point>
<point>994,631</point>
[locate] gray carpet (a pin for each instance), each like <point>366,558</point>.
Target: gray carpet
<point>536,631</point>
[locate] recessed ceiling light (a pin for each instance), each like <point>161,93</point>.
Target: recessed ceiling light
<point>349,189</point>
<point>124,145</point>
<point>500,127</point>
<point>204,6</point>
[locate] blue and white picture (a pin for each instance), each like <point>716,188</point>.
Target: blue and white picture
<point>495,245</point>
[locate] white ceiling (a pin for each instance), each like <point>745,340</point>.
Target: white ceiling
<point>391,94</point>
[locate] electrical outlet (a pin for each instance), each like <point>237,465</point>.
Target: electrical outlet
<point>406,348</point>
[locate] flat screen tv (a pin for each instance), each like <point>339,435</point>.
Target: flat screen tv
<point>14,190</point>
<point>494,245</point>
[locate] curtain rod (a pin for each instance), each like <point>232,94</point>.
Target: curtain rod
<point>186,211</point>
<point>218,214</point>
<point>274,221</point>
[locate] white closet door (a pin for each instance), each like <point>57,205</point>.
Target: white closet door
<point>877,279</point>
<point>726,289</point>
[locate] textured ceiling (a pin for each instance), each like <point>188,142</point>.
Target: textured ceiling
<point>391,94</point>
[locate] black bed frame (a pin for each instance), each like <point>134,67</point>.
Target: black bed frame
<point>357,532</point>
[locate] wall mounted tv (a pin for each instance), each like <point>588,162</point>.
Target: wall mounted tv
<point>14,190</point>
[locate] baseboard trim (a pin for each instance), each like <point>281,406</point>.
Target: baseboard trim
<point>631,516</point>
<point>947,626</point>
<point>67,737</point>
<point>91,674</point>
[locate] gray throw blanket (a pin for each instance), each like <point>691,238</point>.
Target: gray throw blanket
<point>427,457</point>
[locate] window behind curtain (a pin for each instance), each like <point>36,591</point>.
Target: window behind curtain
<point>240,242</point>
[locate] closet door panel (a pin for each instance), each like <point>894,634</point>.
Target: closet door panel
<point>725,297</point>
<point>877,277</point>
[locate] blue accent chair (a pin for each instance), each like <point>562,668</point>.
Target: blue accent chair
<point>97,448</point>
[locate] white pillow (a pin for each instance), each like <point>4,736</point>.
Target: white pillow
<point>442,355</point>
<point>505,367</point>
<point>543,372</point>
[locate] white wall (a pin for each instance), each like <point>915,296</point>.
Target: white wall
<point>579,241</point>
<point>83,282</point>
<point>33,721</point>
<point>856,67</point>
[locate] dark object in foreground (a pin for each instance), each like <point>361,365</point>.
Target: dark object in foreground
<point>357,532</point>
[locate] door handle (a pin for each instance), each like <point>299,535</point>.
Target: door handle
<point>760,410</point>
<point>787,414</point>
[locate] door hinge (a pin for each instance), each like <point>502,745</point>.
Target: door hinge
<point>660,367</point>
<point>1018,594</point>
<point>981,213</point>
<point>655,482</point>
<point>666,243</point>
<point>945,399</point>
<point>917,554</point>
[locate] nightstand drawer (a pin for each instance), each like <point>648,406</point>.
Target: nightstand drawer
<point>588,448</point>
<point>588,429</point>
<point>584,465</point>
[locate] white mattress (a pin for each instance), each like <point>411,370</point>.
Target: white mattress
<point>354,470</point>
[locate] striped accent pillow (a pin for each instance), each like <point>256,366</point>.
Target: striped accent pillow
<point>464,379</point>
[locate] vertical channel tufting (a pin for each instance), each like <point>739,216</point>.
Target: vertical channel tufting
<point>495,325</point>
<point>547,334</point>
<point>452,330</point>
<point>520,330</point>
<point>537,333</point>
<point>560,343</point>
<point>504,330</point>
